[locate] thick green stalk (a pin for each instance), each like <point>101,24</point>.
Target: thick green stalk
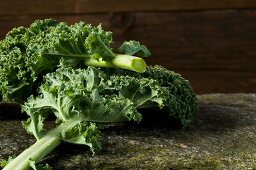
<point>42,147</point>
<point>120,61</point>
<point>35,152</point>
<point>123,61</point>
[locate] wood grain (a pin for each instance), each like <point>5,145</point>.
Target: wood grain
<point>214,81</point>
<point>28,7</point>
<point>215,50</point>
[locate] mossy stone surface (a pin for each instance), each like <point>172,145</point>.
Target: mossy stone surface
<point>223,137</point>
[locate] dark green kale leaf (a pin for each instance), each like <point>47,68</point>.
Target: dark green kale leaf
<point>180,99</point>
<point>26,54</point>
<point>176,93</point>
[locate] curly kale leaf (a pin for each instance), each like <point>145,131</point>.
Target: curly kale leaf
<point>134,48</point>
<point>177,96</point>
<point>180,99</point>
<point>26,54</point>
<point>85,100</point>
<point>82,100</point>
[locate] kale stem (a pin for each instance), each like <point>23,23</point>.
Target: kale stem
<point>123,61</point>
<point>36,152</point>
<point>120,61</point>
<point>42,147</point>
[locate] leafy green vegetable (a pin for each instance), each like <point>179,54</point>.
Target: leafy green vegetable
<point>82,99</point>
<point>26,54</point>
<point>176,92</point>
<point>179,95</point>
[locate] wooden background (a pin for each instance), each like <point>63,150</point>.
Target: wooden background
<point>211,43</point>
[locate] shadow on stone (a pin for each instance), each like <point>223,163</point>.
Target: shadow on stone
<point>220,117</point>
<point>10,111</point>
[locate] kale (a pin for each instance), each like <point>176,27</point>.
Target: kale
<point>63,70</point>
<point>26,54</point>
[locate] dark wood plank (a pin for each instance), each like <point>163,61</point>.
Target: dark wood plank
<point>23,7</point>
<point>215,50</point>
<point>220,81</point>
<point>216,40</point>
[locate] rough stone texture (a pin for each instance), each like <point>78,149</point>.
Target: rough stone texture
<point>223,137</point>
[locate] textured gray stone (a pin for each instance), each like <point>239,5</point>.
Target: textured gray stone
<point>223,137</point>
